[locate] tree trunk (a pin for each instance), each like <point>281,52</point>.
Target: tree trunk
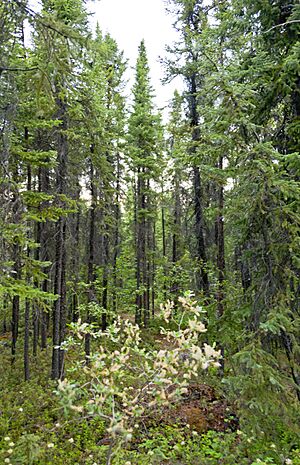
<point>17,276</point>
<point>138,245</point>
<point>35,322</point>
<point>36,312</point>
<point>63,304</point>
<point>44,186</point>
<point>176,236</point>
<point>44,320</point>
<point>202,281</point>
<point>91,254</point>
<point>26,340</point>
<point>153,271</point>
<point>76,263</point>
<point>220,246</point>
<point>105,278</point>
<point>27,303</point>
<point>117,237</point>
<point>59,281</point>
<point>57,305</point>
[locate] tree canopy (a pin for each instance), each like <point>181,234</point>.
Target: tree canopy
<point>120,229</point>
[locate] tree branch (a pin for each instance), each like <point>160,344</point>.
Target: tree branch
<point>282,24</point>
<point>17,69</point>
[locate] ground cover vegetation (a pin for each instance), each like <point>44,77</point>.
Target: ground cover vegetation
<point>150,295</point>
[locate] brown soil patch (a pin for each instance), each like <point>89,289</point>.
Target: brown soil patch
<point>202,409</point>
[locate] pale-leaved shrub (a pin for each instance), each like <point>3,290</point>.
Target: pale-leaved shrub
<point>126,383</point>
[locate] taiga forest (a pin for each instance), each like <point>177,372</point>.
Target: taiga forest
<point>149,257</point>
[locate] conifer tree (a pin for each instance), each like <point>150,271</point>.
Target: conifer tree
<point>178,132</point>
<point>144,150</point>
<point>23,159</point>
<point>250,121</point>
<point>191,22</point>
<point>68,22</point>
<point>104,126</point>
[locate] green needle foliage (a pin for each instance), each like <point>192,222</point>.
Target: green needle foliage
<point>108,215</point>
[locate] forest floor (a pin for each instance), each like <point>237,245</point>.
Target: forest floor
<point>202,429</point>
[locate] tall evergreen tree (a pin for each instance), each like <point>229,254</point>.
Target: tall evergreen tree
<point>191,22</point>
<point>144,151</point>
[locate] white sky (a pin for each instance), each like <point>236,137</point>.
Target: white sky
<point>130,21</point>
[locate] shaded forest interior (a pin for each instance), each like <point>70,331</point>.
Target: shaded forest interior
<point>108,210</point>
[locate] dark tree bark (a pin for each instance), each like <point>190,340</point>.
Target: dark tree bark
<point>142,242</point>
<point>26,340</point>
<point>44,320</point>
<point>202,281</point>
<point>57,305</point>
<point>153,270</point>
<point>27,303</point>
<point>35,324</point>
<point>148,253</point>
<point>75,266</point>
<point>164,243</point>
<point>176,234</point>
<point>36,312</point>
<point>105,277</point>
<point>17,274</point>
<point>117,213</point>
<point>141,259</point>
<point>163,227</point>
<point>44,186</point>
<point>91,253</point>
<point>220,246</point>
<point>63,303</point>
<point>59,280</point>
<point>139,246</point>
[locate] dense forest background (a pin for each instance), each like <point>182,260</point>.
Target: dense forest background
<point>106,211</point>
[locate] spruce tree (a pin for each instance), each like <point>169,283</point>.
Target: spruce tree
<point>144,150</point>
<point>191,22</point>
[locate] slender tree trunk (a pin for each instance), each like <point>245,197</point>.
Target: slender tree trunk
<point>105,278</point>
<point>203,282</point>
<point>148,255</point>
<point>163,227</point>
<point>141,271</point>
<point>294,367</point>
<point>201,251</point>
<point>138,245</point>
<point>5,308</point>
<point>176,236</point>
<point>148,272</point>
<point>44,320</point>
<point>44,186</point>
<point>143,239</point>
<point>57,305</point>
<point>36,312</point>
<point>26,340</point>
<point>27,303</point>
<point>35,339</point>
<point>164,245</point>
<point>220,246</point>
<point>75,315</point>
<point>153,271</point>
<point>63,304</point>
<point>91,254</point>
<point>59,281</point>
<point>142,299</point>
<point>117,237</point>
<point>17,274</point>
